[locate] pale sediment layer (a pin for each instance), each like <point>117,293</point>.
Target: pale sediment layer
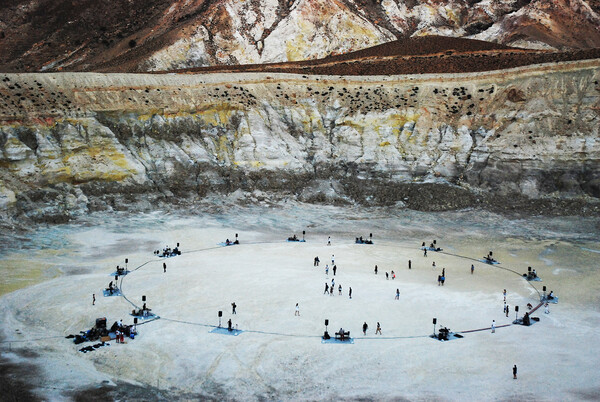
<point>75,142</point>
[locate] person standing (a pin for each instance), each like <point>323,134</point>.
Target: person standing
<point>493,326</point>
<point>340,290</point>
<point>546,309</point>
<point>378,330</point>
<point>397,294</point>
<point>439,280</point>
<point>387,276</point>
<point>332,259</point>
<point>424,252</point>
<point>297,313</point>
<point>409,264</point>
<point>93,299</point>
<point>504,294</point>
<point>375,269</point>
<point>507,310</point>
<point>164,267</point>
<point>233,306</point>
<point>393,275</point>
<point>229,325</point>
<point>350,293</point>
<point>472,268</point>
<point>365,327</point>
<point>329,240</point>
<point>327,269</point>
<point>515,372</point>
<point>317,261</point>
<point>334,269</point>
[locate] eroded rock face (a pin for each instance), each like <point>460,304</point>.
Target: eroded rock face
<point>147,35</point>
<point>70,144</point>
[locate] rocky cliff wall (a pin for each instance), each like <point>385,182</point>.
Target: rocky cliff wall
<point>75,142</point>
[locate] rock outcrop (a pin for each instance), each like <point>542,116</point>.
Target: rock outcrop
<point>150,35</point>
<point>71,143</point>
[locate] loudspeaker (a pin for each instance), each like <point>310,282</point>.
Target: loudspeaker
<point>544,288</point>
<point>177,244</point>
<point>516,308</point>
<point>326,322</point>
<point>126,260</point>
<point>116,277</point>
<point>370,234</point>
<point>491,253</point>
<point>220,313</point>
<point>236,235</point>
<point>434,321</point>
<point>433,241</point>
<point>143,298</point>
<point>528,269</point>
<point>304,232</point>
<point>135,320</point>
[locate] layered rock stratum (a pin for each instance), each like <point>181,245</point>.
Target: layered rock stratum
<point>511,138</point>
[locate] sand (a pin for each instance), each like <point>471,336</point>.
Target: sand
<point>280,356</point>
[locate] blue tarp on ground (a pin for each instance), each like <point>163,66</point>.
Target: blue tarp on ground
<point>488,262</point>
<point>115,292</point>
<point>225,331</point>
<point>333,340</point>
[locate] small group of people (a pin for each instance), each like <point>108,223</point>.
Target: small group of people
<point>230,243</point>
<point>294,238</point>
<point>121,271</point>
<point>365,327</point>
<point>360,240</point>
<point>112,288</point>
<point>442,277</point>
<point>121,331</point>
<point>168,252</point>
<point>331,289</point>
<point>489,259</point>
<point>142,312</point>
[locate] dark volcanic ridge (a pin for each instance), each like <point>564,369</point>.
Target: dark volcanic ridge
<point>421,55</point>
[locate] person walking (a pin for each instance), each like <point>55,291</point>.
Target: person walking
<point>424,252</point>
<point>507,310</point>
<point>340,290</point>
<point>365,327</point>
<point>378,330</point>
<point>393,275</point>
<point>329,240</point>
<point>409,264</point>
<point>334,269</point>
<point>233,306</point>
<point>439,280</point>
<point>327,269</point>
<point>164,267</point>
<point>515,372</point>
<point>297,313</point>
<point>332,259</point>
<point>375,269</point>
<point>546,309</point>
<point>397,294</point>
<point>504,294</point>
<point>317,261</point>
<point>93,299</point>
<point>493,326</point>
<point>472,269</point>
<point>326,288</point>
<point>387,276</point>
<point>350,293</point>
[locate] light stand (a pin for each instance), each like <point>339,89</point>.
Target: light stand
<point>220,315</point>
<point>303,233</point>
<point>516,313</point>
<point>126,261</point>
<point>434,322</point>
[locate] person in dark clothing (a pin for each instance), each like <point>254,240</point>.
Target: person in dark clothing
<point>409,264</point>
<point>387,276</point>
<point>164,267</point>
<point>229,325</point>
<point>424,252</point>
<point>326,288</point>
<point>350,293</point>
<point>515,372</point>
<point>375,269</point>
<point>334,269</point>
<point>233,306</point>
<point>317,261</point>
<point>365,327</point>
